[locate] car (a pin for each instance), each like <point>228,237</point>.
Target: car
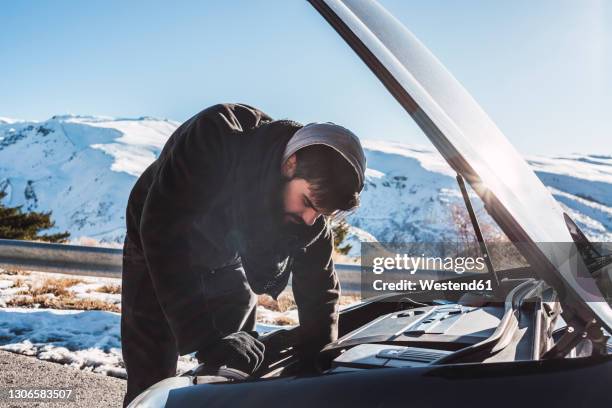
<point>542,339</point>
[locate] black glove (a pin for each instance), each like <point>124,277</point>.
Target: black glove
<point>239,350</point>
<point>278,341</point>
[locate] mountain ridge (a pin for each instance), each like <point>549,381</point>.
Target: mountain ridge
<point>82,167</point>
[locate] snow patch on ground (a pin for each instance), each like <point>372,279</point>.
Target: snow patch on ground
<point>89,340</point>
<point>83,339</point>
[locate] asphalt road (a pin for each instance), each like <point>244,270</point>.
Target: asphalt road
<point>90,390</point>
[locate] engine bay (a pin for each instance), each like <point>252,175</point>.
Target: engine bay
<point>401,332</point>
<point>471,329</point>
<point>415,337</point>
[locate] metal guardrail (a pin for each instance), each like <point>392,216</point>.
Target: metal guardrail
<point>96,261</point>
<point>60,258</point>
<point>107,262</point>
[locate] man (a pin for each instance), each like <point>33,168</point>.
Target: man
<point>235,202</point>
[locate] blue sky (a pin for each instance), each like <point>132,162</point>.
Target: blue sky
<point>541,69</point>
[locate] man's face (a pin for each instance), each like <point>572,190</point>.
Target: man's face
<point>299,207</point>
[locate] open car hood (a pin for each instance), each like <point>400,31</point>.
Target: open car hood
<point>473,146</point>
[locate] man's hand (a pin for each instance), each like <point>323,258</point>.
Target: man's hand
<point>280,341</point>
<point>239,350</point>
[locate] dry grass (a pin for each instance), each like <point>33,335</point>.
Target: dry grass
<point>14,271</point>
<point>349,299</point>
<point>285,302</point>
<point>112,289</point>
<point>284,321</point>
<point>66,303</point>
<point>54,293</point>
<point>57,287</point>
<point>89,304</point>
<point>19,282</point>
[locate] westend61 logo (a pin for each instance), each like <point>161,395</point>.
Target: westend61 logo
<point>419,267</point>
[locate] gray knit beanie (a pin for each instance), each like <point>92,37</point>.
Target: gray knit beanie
<point>337,137</point>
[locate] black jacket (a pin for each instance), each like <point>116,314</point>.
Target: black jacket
<point>213,198</point>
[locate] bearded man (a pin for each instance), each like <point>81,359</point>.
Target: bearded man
<point>235,204</point>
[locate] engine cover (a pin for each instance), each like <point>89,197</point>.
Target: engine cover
<point>384,355</point>
<point>451,323</point>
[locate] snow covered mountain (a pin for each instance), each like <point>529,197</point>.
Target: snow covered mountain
<point>80,167</point>
<point>83,167</point>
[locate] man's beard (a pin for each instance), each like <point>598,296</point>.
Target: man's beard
<point>272,226</point>
<point>288,218</point>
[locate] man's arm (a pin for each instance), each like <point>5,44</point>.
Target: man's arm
<point>316,290</point>
<point>176,216</point>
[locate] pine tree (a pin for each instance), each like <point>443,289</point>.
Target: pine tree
<point>16,224</point>
<point>340,229</point>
